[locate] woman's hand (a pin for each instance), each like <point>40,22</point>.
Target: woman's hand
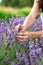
<point>23,36</point>
<point>16,28</point>
<point>23,28</point>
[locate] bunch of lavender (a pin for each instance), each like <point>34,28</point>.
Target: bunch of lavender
<point>11,53</point>
<point>35,56</point>
<point>8,39</point>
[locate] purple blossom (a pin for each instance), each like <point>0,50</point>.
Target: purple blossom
<point>30,55</point>
<point>13,63</point>
<point>6,60</point>
<point>39,50</point>
<point>31,45</point>
<point>18,55</point>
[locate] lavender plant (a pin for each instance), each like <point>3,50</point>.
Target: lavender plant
<point>12,53</point>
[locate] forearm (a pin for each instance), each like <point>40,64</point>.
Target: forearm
<point>30,18</point>
<point>35,34</point>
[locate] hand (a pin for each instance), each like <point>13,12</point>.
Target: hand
<point>23,28</point>
<point>16,28</point>
<point>23,36</point>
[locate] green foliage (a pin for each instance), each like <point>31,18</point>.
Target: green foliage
<point>20,13</point>
<point>26,3</point>
<point>18,3</point>
<point>10,2</point>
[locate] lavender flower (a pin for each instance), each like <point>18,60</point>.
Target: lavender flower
<point>13,63</point>
<point>31,51</point>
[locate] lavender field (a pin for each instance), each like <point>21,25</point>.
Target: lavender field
<point>24,53</point>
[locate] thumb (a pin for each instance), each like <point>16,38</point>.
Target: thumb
<point>23,29</point>
<point>16,28</point>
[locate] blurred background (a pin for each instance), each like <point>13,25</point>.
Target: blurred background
<point>17,3</point>
<point>16,7</point>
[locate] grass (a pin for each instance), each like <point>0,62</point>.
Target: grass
<point>7,11</point>
<point>14,10</point>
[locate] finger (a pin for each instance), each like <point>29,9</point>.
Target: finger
<point>23,30</point>
<point>16,28</point>
<point>22,37</point>
<point>22,34</point>
<point>21,40</point>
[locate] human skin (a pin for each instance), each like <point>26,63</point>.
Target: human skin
<point>25,35</point>
<point>30,18</point>
<point>28,22</point>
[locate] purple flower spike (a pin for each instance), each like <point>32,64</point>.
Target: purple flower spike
<point>6,60</point>
<point>18,55</point>
<point>22,43</point>
<point>13,63</point>
<point>31,45</point>
<point>39,50</point>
